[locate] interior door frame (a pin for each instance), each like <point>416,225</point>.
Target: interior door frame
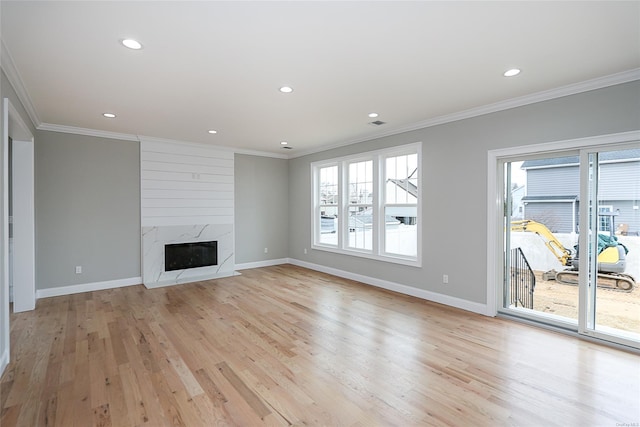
<point>23,206</point>
<point>496,202</point>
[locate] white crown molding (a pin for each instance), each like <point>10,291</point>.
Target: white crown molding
<point>87,132</point>
<point>139,138</point>
<point>572,89</point>
<point>262,154</point>
<point>9,67</point>
<point>142,138</point>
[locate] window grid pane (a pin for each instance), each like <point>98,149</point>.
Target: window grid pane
<point>328,186</point>
<point>360,227</point>
<point>361,182</point>
<point>329,199</point>
<point>401,177</point>
<point>400,238</point>
<point>400,210</point>
<point>361,194</point>
<point>328,225</point>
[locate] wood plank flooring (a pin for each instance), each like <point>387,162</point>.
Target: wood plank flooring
<point>283,346</point>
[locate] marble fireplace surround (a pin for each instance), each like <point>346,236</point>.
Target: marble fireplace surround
<point>154,238</point>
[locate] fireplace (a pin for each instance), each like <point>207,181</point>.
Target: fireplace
<point>205,240</point>
<point>181,256</point>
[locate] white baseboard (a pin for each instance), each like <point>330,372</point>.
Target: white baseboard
<point>87,287</point>
<point>258,264</point>
<point>4,361</point>
<point>384,284</point>
<point>397,287</point>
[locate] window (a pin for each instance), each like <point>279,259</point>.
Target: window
<point>327,213</point>
<point>401,204</point>
<point>604,217</point>
<point>360,205</point>
<point>369,205</point>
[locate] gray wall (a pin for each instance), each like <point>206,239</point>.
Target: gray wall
<point>87,201</point>
<point>455,184</point>
<point>261,208</point>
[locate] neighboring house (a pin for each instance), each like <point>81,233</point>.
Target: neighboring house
<point>403,190</point>
<point>517,206</point>
<point>553,191</point>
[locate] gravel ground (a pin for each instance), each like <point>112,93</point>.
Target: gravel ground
<point>615,309</point>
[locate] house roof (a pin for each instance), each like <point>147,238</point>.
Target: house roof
<point>607,156</point>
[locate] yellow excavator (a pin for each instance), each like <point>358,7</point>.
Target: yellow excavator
<point>611,257</point>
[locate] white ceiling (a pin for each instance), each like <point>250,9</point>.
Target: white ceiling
<point>219,65</point>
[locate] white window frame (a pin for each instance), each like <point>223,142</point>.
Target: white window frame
<point>347,203</point>
<point>605,220</point>
<point>377,252</point>
<point>317,206</point>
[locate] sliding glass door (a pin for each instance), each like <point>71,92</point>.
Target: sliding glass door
<point>571,240</point>
<point>541,223</point>
<point>610,294</point>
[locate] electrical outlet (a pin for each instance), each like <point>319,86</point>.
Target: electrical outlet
<point>305,251</point>
<point>266,250</point>
<point>78,269</point>
<point>445,278</point>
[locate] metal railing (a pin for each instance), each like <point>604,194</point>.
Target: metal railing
<point>523,281</point>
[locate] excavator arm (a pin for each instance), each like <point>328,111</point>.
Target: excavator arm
<point>551,242</point>
<point>610,272</point>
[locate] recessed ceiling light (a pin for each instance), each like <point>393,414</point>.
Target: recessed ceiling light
<point>109,115</point>
<point>212,131</point>
<point>132,44</point>
<point>284,143</point>
<point>512,72</point>
<point>373,115</point>
<point>286,89</point>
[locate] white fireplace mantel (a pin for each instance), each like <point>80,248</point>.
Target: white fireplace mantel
<point>155,238</point>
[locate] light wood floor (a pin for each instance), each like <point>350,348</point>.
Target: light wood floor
<point>287,346</point>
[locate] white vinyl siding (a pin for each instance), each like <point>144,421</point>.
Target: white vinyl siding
<point>556,181</point>
<point>616,179</point>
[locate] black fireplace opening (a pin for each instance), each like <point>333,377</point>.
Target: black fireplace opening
<point>181,256</point>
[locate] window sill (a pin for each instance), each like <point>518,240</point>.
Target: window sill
<point>412,262</point>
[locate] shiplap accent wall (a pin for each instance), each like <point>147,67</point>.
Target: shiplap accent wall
<point>185,184</point>
<point>187,195</point>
